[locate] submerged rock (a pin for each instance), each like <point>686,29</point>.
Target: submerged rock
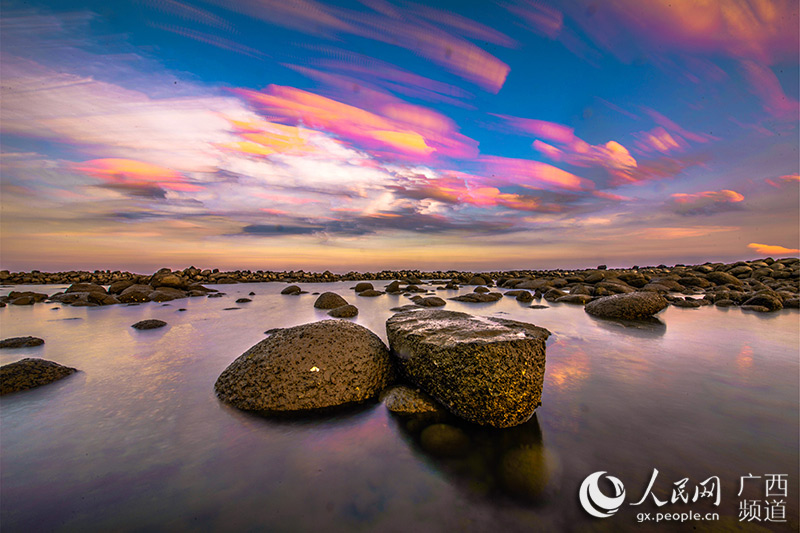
<point>21,342</point>
<point>476,297</point>
<point>486,370</point>
<point>443,440</point>
<point>151,323</point>
<point>627,306</point>
<point>363,286</point>
<point>309,367</point>
<point>329,300</point>
<point>405,401</point>
<point>29,373</point>
<point>429,301</point>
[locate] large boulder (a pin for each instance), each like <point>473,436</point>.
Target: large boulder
<point>135,293</point>
<point>627,306</point>
<point>29,373</point>
<point>309,367</point>
<point>486,370</point>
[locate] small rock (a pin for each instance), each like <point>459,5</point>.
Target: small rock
<point>243,300</point>
<point>345,311</point>
<point>363,286</point>
<point>405,401</point>
<point>369,292</point>
<point>292,290</point>
<point>151,323</point>
<point>478,298</point>
<point>21,342</point>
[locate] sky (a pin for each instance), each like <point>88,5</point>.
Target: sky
<point>391,134</point>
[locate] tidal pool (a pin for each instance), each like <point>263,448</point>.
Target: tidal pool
<point>137,441</point>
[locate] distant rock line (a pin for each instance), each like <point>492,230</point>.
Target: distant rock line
<point>761,285</point>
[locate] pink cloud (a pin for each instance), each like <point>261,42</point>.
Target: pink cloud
<point>533,174</point>
<point>538,17</point>
<point>706,202</point>
<point>783,180</point>
<point>136,174</point>
<point>394,128</point>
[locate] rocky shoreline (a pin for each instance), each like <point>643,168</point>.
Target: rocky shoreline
<point>760,285</point>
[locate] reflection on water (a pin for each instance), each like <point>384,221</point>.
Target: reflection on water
<point>138,441</point>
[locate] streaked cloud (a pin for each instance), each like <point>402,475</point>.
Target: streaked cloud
<point>706,202</point>
<point>772,249</point>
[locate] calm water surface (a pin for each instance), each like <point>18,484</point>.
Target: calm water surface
<point>137,441</point>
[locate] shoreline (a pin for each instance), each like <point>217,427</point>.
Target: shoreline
<point>216,276</point>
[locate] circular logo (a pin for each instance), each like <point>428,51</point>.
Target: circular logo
<point>595,502</point>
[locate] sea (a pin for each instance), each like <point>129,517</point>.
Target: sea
<point>693,416</point>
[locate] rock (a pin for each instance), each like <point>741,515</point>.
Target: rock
<point>369,292</point>
<point>723,278</point>
<point>216,295</point>
<point>524,472</point>
<point>791,303</point>
<point>486,370</point>
<point>166,294</point>
<point>329,300</point>
<point>554,294</point>
<point>536,306</point>
<point>443,440</point>
<point>169,280</point>
<point>405,401</point>
<point>29,373</point>
<point>476,280</point>
<point>313,366</point>
<point>686,302</point>
<point>580,299</point>
<point>23,300</point>
<point>243,300</point>
<point>345,311</point>
<point>724,303</point>
<point>21,342</point>
<point>393,287</point>
<point>135,293</point>
<point>151,323</point>
<point>100,298</point>
<point>765,299</point>
<point>475,297</point>
<point>481,290</point>
<point>363,286</point>
<point>85,287</point>
<point>628,306</point>
<point>757,308</point>
<point>118,286</point>
<point>429,301</point>
<point>292,290</point>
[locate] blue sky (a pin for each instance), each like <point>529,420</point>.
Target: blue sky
<point>375,134</point>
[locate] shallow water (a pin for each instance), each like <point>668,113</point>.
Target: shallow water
<point>138,441</point>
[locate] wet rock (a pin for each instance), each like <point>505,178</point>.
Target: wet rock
<point>166,294</point>
<point>151,323</point>
<point>369,293</point>
<point>29,373</point>
<point>475,297</point>
<point>486,370</point>
<point>629,306</point>
<point>21,342</point>
<point>724,303</point>
<point>118,286</point>
<point>580,299</point>
<point>135,293</point>
<point>405,401</point>
<point>243,300</point>
<point>791,303</point>
<point>554,294</point>
<point>329,300</point>
<point>85,287</point>
<point>363,286</point>
<point>723,278</point>
<point>476,280</point>
<point>537,306</point>
<point>100,298</point>
<point>169,280</point>
<point>757,308</point>
<point>393,287</point>
<point>686,302</point>
<point>216,295</point>
<point>309,367</point>
<point>292,290</point>
<point>524,473</point>
<point>765,299</point>
<point>345,311</point>
<point>429,301</point>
